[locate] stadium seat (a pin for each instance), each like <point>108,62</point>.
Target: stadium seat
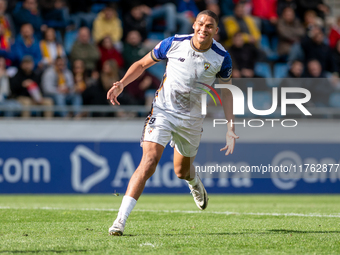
<point>97,7</point>
<point>157,70</point>
<point>262,69</point>
<point>280,72</point>
<point>69,39</point>
<point>265,46</point>
<point>275,43</point>
<point>262,100</point>
<point>334,100</point>
<point>17,7</point>
<point>156,36</point>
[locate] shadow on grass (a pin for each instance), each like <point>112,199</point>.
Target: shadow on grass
<point>44,251</point>
<point>288,231</point>
<point>250,232</point>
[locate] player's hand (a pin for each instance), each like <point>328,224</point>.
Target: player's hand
<point>230,143</point>
<point>114,92</point>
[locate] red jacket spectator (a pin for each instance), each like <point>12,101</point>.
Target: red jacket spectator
<point>334,35</point>
<point>108,52</point>
<point>265,9</point>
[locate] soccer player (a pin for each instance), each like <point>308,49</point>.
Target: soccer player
<point>193,60</point>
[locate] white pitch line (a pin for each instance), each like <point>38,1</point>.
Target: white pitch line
<point>175,211</point>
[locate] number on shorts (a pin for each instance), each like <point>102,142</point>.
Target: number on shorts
<point>152,120</point>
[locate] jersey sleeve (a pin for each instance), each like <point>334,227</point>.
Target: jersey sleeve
<point>160,51</point>
<point>226,69</point>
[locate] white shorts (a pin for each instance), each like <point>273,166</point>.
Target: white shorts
<point>185,134</point>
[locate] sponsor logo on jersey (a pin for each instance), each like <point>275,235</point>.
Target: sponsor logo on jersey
<point>206,65</point>
<point>181,59</point>
<point>195,55</point>
<point>230,72</point>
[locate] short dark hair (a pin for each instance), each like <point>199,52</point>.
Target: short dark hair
<point>210,14</point>
<point>111,6</point>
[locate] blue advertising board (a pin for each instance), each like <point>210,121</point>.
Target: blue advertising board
<point>106,167</point>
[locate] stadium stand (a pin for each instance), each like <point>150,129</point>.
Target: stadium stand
<point>144,17</point>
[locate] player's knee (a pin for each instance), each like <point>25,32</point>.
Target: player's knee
<point>181,172</point>
<point>149,165</point>
<point>181,175</point>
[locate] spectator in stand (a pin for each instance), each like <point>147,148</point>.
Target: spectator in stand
<point>50,49</point>
<point>85,50</point>
<point>55,14</point>
<point>321,88</point>
<point>97,94</point>
<point>166,9</point>
<point>11,104</point>
<point>136,19</point>
<point>336,55</point>
<point>315,48</point>
<point>29,13</point>
<point>227,7</point>
<point>26,44</point>
<point>143,89</point>
<point>5,46</point>
<point>108,51</point>
<point>312,21</point>
<point>212,5</point>
<point>80,13</point>
<point>58,83</point>
<point>81,82</point>
<point>295,71</point>
<point>241,23</point>
<point>189,11</point>
<point>266,10</point>
<point>294,80</point>
<point>25,87</point>
<point>283,4</point>
<point>334,35</point>
<point>133,48</point>
<point>318,6</point>
<point>106,24</point>
<point>6,21</point>
<point>11,5</point>
<point>244,56</point>
<point>289,30</point>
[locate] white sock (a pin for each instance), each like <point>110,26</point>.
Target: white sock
<point>126,207</point>
<point>194,181</point>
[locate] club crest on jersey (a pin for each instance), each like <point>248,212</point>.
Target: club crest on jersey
<point>150,130</point>
<point>206,66</point>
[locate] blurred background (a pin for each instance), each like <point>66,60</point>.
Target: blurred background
<point>58,59</point>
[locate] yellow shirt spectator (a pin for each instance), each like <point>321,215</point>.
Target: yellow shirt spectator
<point>107,24</point>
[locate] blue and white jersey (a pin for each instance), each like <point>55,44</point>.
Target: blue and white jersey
<point>188,69</point>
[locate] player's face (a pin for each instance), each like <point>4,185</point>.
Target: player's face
<point>205,28</point>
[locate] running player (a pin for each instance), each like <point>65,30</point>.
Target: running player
<point>193,60</point>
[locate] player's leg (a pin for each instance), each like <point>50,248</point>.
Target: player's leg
<point>185,169</point>
<point>152,153</point>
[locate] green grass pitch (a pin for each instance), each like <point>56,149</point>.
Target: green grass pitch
<point>171,224</point>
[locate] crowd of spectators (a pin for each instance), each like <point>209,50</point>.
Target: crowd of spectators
<point>68,52</point>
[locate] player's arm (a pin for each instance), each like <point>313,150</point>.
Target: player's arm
<point>157,54</point>
<point>227,103</point>
<point>135,70</point>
